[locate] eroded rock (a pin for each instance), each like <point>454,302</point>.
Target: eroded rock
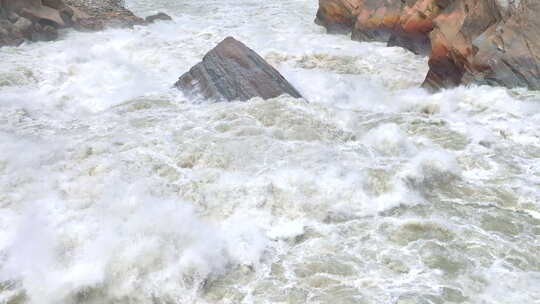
<point>399,23</point>
<point>338,16</point>
<point>232,71</point>
<point>495,42</point>
<point>452,49</point>
<point>509,51</point>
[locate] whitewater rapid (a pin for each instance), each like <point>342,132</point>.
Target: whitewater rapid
<point>116,188</point>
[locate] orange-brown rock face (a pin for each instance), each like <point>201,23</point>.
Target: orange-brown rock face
<point>469,41</point>
<point>400,23</point>
<point>415,24</point>
<point>337,15</point>
<point>376,20</point>
<point>452,49</point>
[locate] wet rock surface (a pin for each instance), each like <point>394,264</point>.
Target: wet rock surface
<point>337,16</point>
<point>399,23</point>
<point>395,22</point>
<point>468,41</point>
<point>452,40</point>
<point>232,71</point>
<point>509,51</point>
<point>158,17</point>
<point>99,14</point>
<point>40,20</point>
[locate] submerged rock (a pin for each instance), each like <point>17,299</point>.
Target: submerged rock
<point>44,33</point>
<point>469,41</point>
<point>232,71</point>
<point>158,17</point>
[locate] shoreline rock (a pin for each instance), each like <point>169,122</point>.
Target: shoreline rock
<point>40,20</point>
<point>508,52</point>
<point>233,72</point>
<point>398,23</point>
<point>452,38</point>
<point>337,16</point>
<point>99,14</point>
<point>493,42</point>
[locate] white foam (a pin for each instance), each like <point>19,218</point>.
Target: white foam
<point>115,187</point>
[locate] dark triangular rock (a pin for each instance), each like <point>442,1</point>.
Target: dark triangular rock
<point>231,71</point>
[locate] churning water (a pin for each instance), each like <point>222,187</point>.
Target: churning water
<point>115,188</point>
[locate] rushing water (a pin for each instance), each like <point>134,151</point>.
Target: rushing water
<point>115,188</point>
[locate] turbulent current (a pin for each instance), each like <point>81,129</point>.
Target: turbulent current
<point>116,188</point>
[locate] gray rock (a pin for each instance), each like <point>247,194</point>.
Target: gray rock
<point>56,4</point>
<point>44,33</point>
<point>232,71</point>
<point>9,35</point>
<point>158,17</point>
<point>508,52</point>
<point>34,9</point>
<point>23,26</point>
<point>12,17</point>
<point>3,32</point>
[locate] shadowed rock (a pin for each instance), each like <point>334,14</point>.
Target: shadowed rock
<point>510,55</point>
<point>452,38</point>
<point>158,17</point>
<point>231,71</point>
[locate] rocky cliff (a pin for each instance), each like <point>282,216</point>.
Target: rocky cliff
<point>469,41</point>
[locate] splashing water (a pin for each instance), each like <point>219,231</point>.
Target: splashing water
<point>116,188</point>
